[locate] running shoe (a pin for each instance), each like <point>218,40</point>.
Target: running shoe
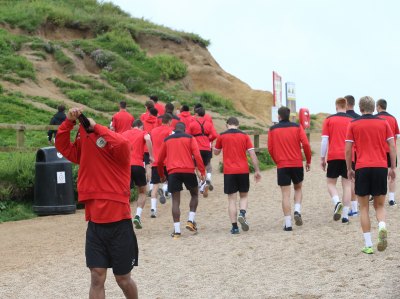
<point>162,197</point>
<point>382,239</point>
<point>210,186</point>
<point>175,235</point>
<point>338,211</point>
<point>243,222</point>
<point>137,222</point>
<point>297,219</point>
<point>345,220</point>
<point>368,250</point>
<point>153,213</point>
<point>205,190</point>
<point>392,203</point>
<point>192,226</point>
<point>167,195</point>
<point>351,213</point>
<point>287,229</point>
<point>235,231</point>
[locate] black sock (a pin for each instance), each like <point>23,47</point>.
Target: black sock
<point>243,212</point>
<point>234,225</point>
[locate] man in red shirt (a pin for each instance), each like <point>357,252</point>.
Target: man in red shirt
<point>333,151</point>
<point>177,154</point>
<point>206,116</point>
<point>122,120</point>
<point>235,144</point>
<point>103,185</point>
<point>369,135</point>
<point>157,137</point>
<point>185,116</point>
<point>205,134</point>
<point>381,106</point>
<point>169,109</point>
<point>160,107</point>
<point>139,139</point>
<point>284,145</point>
<point>148,105</point>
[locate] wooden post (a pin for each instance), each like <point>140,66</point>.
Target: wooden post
<point>256,141</point>
<point>21,136</point>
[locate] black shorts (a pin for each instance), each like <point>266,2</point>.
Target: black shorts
<point>287,175</point>
<point>175,181</point>
<point>353,166</point>
<point>155,178</point>
<point>336,168</point>
<point>371,181</point>
<point>236,182</point>
<point>389,161</point>
<point>138,176</point>
<point>206,156</point>
<point>112,245</point>
<point>146,158</point>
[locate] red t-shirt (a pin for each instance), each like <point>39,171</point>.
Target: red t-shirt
<point>122,121</point>
<point>157,138</point>
<point>160,108</point>
<point>186,118</point>
<point>335,128</point>
<point>204,137</point>
<point>392,124</point>
<point>284,144</point>
<point>136,138</point>
<point>106,211</point>
<point>234,144</point>
<point>369,135</point>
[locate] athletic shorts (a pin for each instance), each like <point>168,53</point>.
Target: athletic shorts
<point>371,181</point>
<point>138,176</point>
<point>287,175</point>
<point>155,178</point>
<point>236,183</point>
<point>336,168</point>
<point>146,158</point>
<point>176,181</point>
<point>389,161</point>
<point>206,156</point>
<point>112,245</point>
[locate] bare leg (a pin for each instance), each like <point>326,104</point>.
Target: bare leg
<point>286,200</point>
<point>232,209</point>
<point>97,280</point>
<point>194,199</point>
<point>142,197</point>
<point>176,202</point>
<point>379,205</point>
<point>243,201</point>
<point>332,187</point>
<point>154,191</point>
<point>346,185</point>
<point>364,213</point>
<point>127,285</point>
<point>298,193</point>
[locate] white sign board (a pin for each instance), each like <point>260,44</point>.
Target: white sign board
<point>274,114</point>
<point>60,177</point>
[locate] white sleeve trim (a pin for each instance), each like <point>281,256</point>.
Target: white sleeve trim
<point>390,138</point>
<point>348,140</point>
<point>324,146</point>
<point>250,149</point>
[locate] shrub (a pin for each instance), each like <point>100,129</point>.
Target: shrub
<point>82,96</point>
<point>63,60</point>
<point>103,58</point>
<point>1,89</point>
<point>170,67</point>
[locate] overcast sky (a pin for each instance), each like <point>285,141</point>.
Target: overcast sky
<point>328,48</point>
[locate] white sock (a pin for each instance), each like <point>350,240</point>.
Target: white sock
<point>354,205</point>
<point>367,239</point>
<point>288,221</point>
<point>150,186</point>
<point>202,187</point>
<point>297,207</point>
<point>381,225</point>
<point>154,204</point>
<point>177,227</point>
<point>208,176</point>
<point>345,212</point>
<point>335,199</point>
<point>139,211</point>
<point>391,196</point>
<point>165,187</point>
<point>191,216</point>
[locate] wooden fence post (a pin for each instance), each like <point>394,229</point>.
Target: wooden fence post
<point>21,137</point>
<point>256,141</point>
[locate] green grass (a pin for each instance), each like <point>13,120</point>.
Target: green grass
<point>14,211</point>
<point>63,60</point>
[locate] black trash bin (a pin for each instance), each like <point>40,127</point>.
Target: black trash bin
<point>54,192</point>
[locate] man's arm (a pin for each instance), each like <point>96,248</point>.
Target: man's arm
<point>254,160</point>
<point>392,153</point>
<point>271,146</point>
<point>149,144</point>
<point>324,150</point>
<point>306,147</point>
<point>196,154</point>
<point>349,154</point>
<point>161,159</point>
<point>218,147</point>
<point>71,151</point>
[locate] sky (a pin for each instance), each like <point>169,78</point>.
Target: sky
<point>328,48</point>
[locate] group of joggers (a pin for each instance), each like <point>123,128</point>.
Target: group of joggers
<point>165,149</point>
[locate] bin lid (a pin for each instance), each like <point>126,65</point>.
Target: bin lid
<point>50,154</point>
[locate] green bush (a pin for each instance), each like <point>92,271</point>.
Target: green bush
<point>170,67</point>
<point>82,96</point>
<point>1,89</point>
<point>14,211</point>
<point>264,161</point>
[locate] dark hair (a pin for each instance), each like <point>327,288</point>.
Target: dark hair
<point>284,113</point>
<point>153,111</point>
<point>166,118</point>
<point>137,123</point>
<point>169,107</point>
<point>122,104</point>
<point>154,98</point>
<point>200,111</point>
<point>149,104</point>
<point>185,108</point>
<point>198,105</point>
<point>180,126</point>
<point>232,121</point>
<point>350,100</point>
<point>382,103</point>
<point>61,108</point>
